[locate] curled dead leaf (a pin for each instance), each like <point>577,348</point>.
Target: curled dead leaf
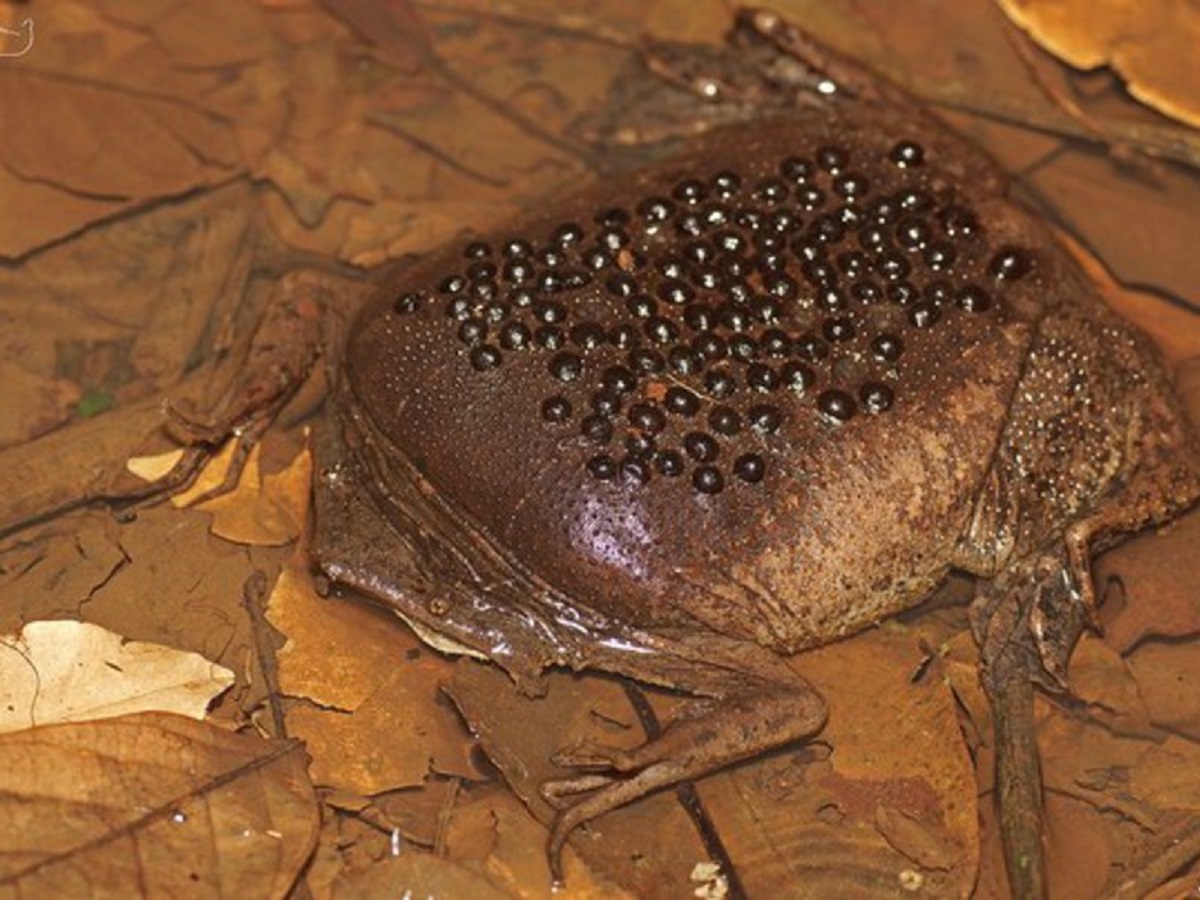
<point>1152,45</point>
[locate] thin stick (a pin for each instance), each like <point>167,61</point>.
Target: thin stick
<point>1019,783</point>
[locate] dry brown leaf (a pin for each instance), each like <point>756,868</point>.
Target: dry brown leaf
<point>377,723</point>
<point>1151,44</point>
<point>1150,586</point>
<point>1164,673</point>
<point>415,874</point>
<point>513,859</point>
<point>153,805</point>
<point>67,671</point>
<point>264,510</point>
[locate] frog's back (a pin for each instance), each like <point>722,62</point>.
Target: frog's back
<point>756,388</point>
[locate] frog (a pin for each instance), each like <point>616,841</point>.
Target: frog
<point>749,399</point>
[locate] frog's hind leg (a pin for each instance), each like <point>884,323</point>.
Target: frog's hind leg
<point>708,735</point>
<point>1158,495</point>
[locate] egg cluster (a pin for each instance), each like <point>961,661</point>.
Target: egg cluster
<point>679,334</point>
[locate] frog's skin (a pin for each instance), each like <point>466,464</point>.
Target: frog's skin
<point>1022,426</point>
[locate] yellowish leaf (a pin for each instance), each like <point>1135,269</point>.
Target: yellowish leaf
<point>264,510</point>
<point>212,476</point>
<point>152,468</point>
<point>1151,45</point>
<point>67,671</point>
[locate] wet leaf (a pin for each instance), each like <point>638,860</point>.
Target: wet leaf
<point>68,671</point>
<point>418,813</point>
<point>415,875</point>
<point>1163,674</point>
<point>34,403</point>
<point>1100,677</point>
<point>1077,831</point>
<point>155,805</point>
<point>364,132</point>
<point>169,148</point>
<point>492,832</point>
<point>896,747</point>
<point>1150,586</point>
<point>374,722</point>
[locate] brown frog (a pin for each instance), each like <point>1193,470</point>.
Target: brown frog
<point>744,402</point>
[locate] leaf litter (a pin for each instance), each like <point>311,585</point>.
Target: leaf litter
<point>336,131</point>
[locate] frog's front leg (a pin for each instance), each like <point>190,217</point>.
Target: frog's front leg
<point>300,323</point>
<point>707,735</point>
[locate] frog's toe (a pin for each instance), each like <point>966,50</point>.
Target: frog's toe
<point>561,792</point>
<point>589,756</point>
<point>606,795</point>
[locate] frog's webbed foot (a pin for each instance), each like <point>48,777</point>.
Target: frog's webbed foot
<point>706,736</point>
